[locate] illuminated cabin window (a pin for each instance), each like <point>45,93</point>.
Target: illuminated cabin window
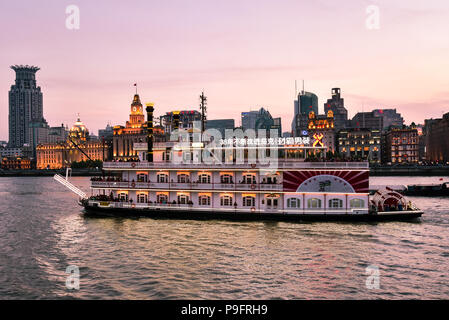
<point>204,178</point>
<point>335,203</point>
<point>183,199</point>
<point>204,200</point>
<point>226,178</point>
<point>314,203</point>
<point>293,203</point>
<point>123,196</point>
<point>357,203</point>
<point>142,177</point>
<point>183,178</point>
<point>142,198</point>
<point>249,201</point>
<point>249,179</point>
<point>162,178</point>
<point>226,200</point>
<point>162,198</point>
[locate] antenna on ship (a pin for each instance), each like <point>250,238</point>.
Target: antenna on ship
<point>203,108</point>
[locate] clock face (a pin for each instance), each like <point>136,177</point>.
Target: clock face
<point>134,109</point>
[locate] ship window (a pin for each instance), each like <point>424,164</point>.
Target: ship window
<point>183,199</point>
<point>357,203</point>
<point>226,178</point>
<point>183,178</point>
<point>142,198</point>
<point>162,198</point>
<point>335,203</point>
<point>249,179</point>
<point>142,177</point>
<point>249,201</point>
<point>293,203</point>
<point>162,178</point>
<point>226,200</point>
<point>204,200</point>
<point>204,178</point>
<point>123,196</point>
<point>314,203</point>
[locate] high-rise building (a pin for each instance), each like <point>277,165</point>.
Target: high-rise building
<point>390,118</point>
<point>261,120</point>
<point>437,143</point>
<point>221,125</point>
<point>27,125</point>
<point>337,105</point>
<point>306,102</point>
<point>367,120</point>
<point>184,121</point>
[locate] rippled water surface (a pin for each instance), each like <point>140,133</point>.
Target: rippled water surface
<point>43,230</point>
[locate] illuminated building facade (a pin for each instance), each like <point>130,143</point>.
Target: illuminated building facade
<point>400,146</point>
<point>361,144</point>
<point>337,105</point>
<point>186,119</point>
<point>321,128</point>
<point>135,131</point>
<point>437,143</point>
<point>61,154</point>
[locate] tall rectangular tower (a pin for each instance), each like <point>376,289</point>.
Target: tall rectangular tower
<point>25,107</point>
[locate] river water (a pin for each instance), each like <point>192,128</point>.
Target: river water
<point>43,231</point>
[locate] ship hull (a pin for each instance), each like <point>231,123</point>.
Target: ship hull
<point>191,214</point>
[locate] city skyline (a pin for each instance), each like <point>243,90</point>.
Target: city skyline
<point>247,64</point>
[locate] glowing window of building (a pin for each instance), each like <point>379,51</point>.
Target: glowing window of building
<point>335,203</point>
<point>356,203</point>
<point>314,203</point>
<point>226,200</point>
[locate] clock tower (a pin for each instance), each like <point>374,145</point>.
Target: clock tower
<point>136,117</point>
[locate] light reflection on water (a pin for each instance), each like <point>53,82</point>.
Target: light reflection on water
<point>42,231</point>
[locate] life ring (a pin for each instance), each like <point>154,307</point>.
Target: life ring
<point>253,165</point>
<point>133,164</point>
<point>133,184</point>
<point>133,205</point>
<point>253,186</point>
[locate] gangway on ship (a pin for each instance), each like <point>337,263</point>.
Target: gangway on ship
<point>70,186</point>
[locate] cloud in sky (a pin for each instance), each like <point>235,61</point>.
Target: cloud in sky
<point>244,54</point>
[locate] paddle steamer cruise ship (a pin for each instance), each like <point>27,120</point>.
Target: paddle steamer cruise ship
<point>239,178</point>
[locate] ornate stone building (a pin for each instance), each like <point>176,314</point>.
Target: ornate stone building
<point>61,154</point>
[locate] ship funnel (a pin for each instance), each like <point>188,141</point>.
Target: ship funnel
<point>176,117</point>
<point>150,109</point>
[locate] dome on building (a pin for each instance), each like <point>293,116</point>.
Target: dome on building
<point>79,130</point>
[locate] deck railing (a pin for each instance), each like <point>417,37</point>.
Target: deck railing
<point>279,165</point>
<point>186,186</point>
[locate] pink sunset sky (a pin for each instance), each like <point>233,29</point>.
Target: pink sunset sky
<point>244,54</point>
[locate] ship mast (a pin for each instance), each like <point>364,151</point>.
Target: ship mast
<point>203,108</point>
